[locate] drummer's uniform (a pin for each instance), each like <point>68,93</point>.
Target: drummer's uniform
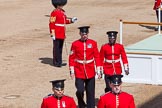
<point>121,100</point>
<point>83,58</point>
<point>110,58</point>
<point>55,102</point>
<point>57,23</point>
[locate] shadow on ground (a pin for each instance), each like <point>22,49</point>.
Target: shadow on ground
<point>156,102</point>
<point>46,60</point>
<point>149,27</point>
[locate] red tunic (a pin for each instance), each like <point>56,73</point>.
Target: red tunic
<point>110,100</point>
<point>111,53</point>
<point>64,102</point>
<point>87,51</point>
<point>157,4</point>
<point>57,22</point>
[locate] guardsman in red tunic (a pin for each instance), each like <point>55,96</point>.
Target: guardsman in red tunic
<point>110,55</point>
<point>83,59</point>
<point>57,23</point>
<point>157,5</point>
<point>116,98</point>
<point>58,99</point>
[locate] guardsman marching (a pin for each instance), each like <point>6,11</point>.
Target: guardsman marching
<point>116,98</point>
<point>83,58</point>
<point>57,23</point>
<point>58,99</point>
<point>157,5</point>
<point>110,55</point>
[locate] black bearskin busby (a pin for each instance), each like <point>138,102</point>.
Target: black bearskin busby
<point>56,3</point>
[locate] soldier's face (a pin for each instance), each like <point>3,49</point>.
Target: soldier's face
<point>112,41</point>
<point>58,92</point>
<point>59,7</point>
<point>116,88</point>
<point>84,36</point>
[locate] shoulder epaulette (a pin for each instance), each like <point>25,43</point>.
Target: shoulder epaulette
<point>106,93</point>
<point>49,95</point>
<point>68,96</point>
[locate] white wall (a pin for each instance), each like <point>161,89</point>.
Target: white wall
<point>144,69</point>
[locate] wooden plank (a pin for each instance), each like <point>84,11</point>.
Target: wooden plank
<point>147,23</point>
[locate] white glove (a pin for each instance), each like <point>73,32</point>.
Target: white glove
<point>71,68</point>
<point>72,75</point>
<point>74,19</point>
<point>126,68</point>
<point>99,72</point>
<point>53,37</point>
<point>102,71</point>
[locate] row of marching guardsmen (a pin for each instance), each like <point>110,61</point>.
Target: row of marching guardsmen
<point>85,61</point>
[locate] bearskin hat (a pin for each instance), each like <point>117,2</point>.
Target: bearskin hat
<point>56,3</point>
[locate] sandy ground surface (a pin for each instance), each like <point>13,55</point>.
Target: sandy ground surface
<point>26,48</point>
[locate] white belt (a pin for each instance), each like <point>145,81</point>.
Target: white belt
<point>112,61</point>
<point>62,25</point>
<point>84,61</point>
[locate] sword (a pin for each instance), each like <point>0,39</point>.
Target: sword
<point>66,48</point>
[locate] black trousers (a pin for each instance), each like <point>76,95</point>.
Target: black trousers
<point>87,85</point>
<point>107,81</point>
<point>157,15</point>
<point>57,51</point>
